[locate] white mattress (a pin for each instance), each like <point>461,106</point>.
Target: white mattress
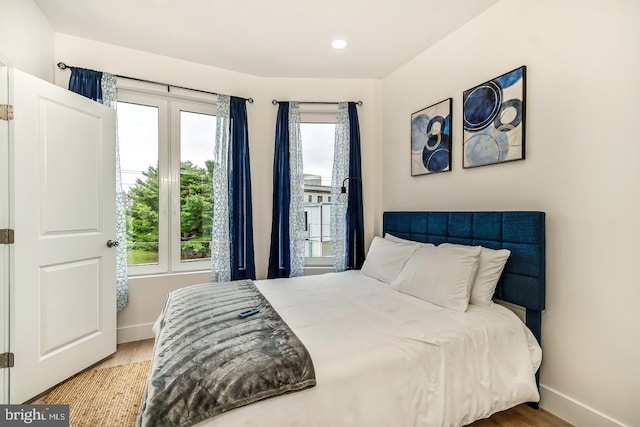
<point>383,358</point>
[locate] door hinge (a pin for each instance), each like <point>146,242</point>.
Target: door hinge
<point>6,360</point>
<point>6,112</point>
<point>6,236</point>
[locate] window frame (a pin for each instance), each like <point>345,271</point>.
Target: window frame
<point>328,116</point>
<point>163,190</point>
<point>176,108</point>
<point>169,108</point>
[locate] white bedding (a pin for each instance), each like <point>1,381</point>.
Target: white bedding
<point>383,358</point>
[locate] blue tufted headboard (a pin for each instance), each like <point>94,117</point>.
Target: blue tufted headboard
<point>522,232</point>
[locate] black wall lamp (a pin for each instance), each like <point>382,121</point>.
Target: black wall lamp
<point>343,196</point>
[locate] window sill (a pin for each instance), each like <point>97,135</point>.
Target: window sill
<point>171,274</point>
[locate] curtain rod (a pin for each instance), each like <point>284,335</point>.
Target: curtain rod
<point>276,102</point>
<point>64,66</point>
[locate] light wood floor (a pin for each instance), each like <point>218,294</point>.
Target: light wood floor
<point>130,352</point>
<point>521,415</point>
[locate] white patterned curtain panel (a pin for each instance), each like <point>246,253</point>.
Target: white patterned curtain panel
<point>220,247</point>
<point>340,172</point>
<point>296,189</point>
<point>110,99</point>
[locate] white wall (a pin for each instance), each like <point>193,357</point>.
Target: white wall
<point>148,293</point>
<point>581,168</point>
<point>26,38</point>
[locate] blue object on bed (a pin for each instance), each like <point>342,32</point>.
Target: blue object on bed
<point>522,232</point>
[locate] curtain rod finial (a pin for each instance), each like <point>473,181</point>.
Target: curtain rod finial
<point>274,101</point>
<point>62,65</point>
<point>359,103</point>
<point>250,100</point>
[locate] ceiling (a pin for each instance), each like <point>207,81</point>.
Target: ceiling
<point>275,38</point>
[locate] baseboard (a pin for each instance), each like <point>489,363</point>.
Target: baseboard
<point>573,411</point>
<point>134,333</point>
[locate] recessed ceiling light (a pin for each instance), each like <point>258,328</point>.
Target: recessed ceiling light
<point>339,44</point>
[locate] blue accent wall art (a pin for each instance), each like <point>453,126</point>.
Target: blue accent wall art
<point>431,139</point>
<point>493,116</point>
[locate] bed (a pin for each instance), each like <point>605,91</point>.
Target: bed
<point>382,357</point>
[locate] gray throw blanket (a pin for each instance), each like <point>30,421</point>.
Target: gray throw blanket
<point>207,360</point>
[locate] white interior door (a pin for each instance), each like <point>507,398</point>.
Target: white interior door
<point>63,198</point>
<point>4,224</point>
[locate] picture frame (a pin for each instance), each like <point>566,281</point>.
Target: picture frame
<point>431,139</point>
<point>493,120</point>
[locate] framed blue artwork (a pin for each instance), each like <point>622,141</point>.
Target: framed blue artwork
<point>431,139</point>
<point>493,116</point>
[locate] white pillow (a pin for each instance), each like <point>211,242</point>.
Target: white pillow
<point>440,275</point>
<point>385,259</point>
<point>492,263</point>
<point>405,241</point>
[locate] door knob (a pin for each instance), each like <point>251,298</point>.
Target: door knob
<point>112,243</point>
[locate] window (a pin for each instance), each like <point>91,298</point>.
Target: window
<point>138,138</point>
<point>197,134</point>
<point>317,157</point>
<point>166,151</point>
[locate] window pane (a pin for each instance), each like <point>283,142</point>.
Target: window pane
<point>197,134</point>
<point>138,140</point>
<point>317,156</point>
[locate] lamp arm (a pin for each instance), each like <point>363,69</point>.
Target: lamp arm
<point>350,177</point>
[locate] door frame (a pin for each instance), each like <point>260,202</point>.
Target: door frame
<point>5,222</point>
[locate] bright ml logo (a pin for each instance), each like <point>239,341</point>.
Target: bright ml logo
<point>34,415</point>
